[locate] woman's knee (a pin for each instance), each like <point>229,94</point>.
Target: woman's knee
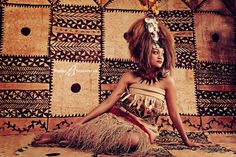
<point>134,138</point>
<point>131,139</point>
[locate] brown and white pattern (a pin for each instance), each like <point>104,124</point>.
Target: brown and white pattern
<point>76,33</point>
<point>42,42</point>
<point>74,87</point>
<point>25,34</point>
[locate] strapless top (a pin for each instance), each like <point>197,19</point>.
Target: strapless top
<point>144,101</point>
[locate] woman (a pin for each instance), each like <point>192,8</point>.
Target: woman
<point>125,123</point>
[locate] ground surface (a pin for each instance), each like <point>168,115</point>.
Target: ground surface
<point>19,145</point>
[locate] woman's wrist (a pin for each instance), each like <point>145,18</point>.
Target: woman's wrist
<point>82,121</point>
<point>186,141</point>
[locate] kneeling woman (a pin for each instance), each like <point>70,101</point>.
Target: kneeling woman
<point>125,123</point>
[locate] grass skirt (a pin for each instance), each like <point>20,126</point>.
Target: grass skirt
<point>102,136</point>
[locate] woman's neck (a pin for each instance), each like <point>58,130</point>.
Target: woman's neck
<point>151,70</point>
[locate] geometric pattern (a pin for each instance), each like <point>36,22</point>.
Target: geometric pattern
<point>200,137</point>
<point>216,110</point>
<point>24,113</point>
<point>178,20</point>
<point>211,124</point>
<point>215,74</point>
<point>171,5</point>
<point>226,97</point>
<point>190,123</point>
<point>214,43</point>
<point>30,34</point>
<point>24,69</point>
<point>124,5</point>
<point>217,6</point>
<point>10,60</point>
<point>55,123</point>
<point>76,33</point>
<point>110,72</point>
<point>37,99</point>
<point>72,83</point>
<point>80,2</point>
<point>219,124</point>
<point>186,100</point>
<point>76,57</point>
<point>22,125</point>
<point>216,103</point>
<point>24,86</point>
<point>173,136</point>
<point>180,24</point>
<point>113,68</point>
<point>185,52</point>
<point>1,29</point>
<point>104,94</point>
<point>24,74</point>
<point>191,4</point>
<point>28,2</point>
<point>115,46</point>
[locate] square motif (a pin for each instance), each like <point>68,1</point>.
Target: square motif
<point>75,87</point>
<point>186,99</point>
<point>115,44</point>
<point>214,38</point>
<point>25,30</point>
<point>76,33</point>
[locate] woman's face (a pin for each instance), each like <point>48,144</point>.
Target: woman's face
<point>157,57</point>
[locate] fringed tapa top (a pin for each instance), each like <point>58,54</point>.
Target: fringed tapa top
<point>144,103</point>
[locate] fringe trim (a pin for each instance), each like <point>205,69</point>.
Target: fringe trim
<point>137,100</point>
<point>103,135</point>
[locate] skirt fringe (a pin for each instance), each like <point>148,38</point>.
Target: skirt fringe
<point>103,135</point>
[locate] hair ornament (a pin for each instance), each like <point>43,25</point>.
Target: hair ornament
<point>151,25</point>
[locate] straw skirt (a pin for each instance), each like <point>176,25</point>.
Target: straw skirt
<point>103,134</point>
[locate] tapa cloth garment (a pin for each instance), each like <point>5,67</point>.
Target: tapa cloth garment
<point>142,104</point>
<point>102,136</point>
<point>145,104</point>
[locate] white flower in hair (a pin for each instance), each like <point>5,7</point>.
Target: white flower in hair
<point>151,25</point>
<point>155,36</point>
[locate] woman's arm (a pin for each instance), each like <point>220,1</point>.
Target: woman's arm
<point>173,111</point>
<point>110,101</point>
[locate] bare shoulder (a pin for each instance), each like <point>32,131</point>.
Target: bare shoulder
<point>169,82</point>
<point>128,77</point>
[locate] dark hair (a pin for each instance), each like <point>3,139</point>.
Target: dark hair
<point>140,44</point>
